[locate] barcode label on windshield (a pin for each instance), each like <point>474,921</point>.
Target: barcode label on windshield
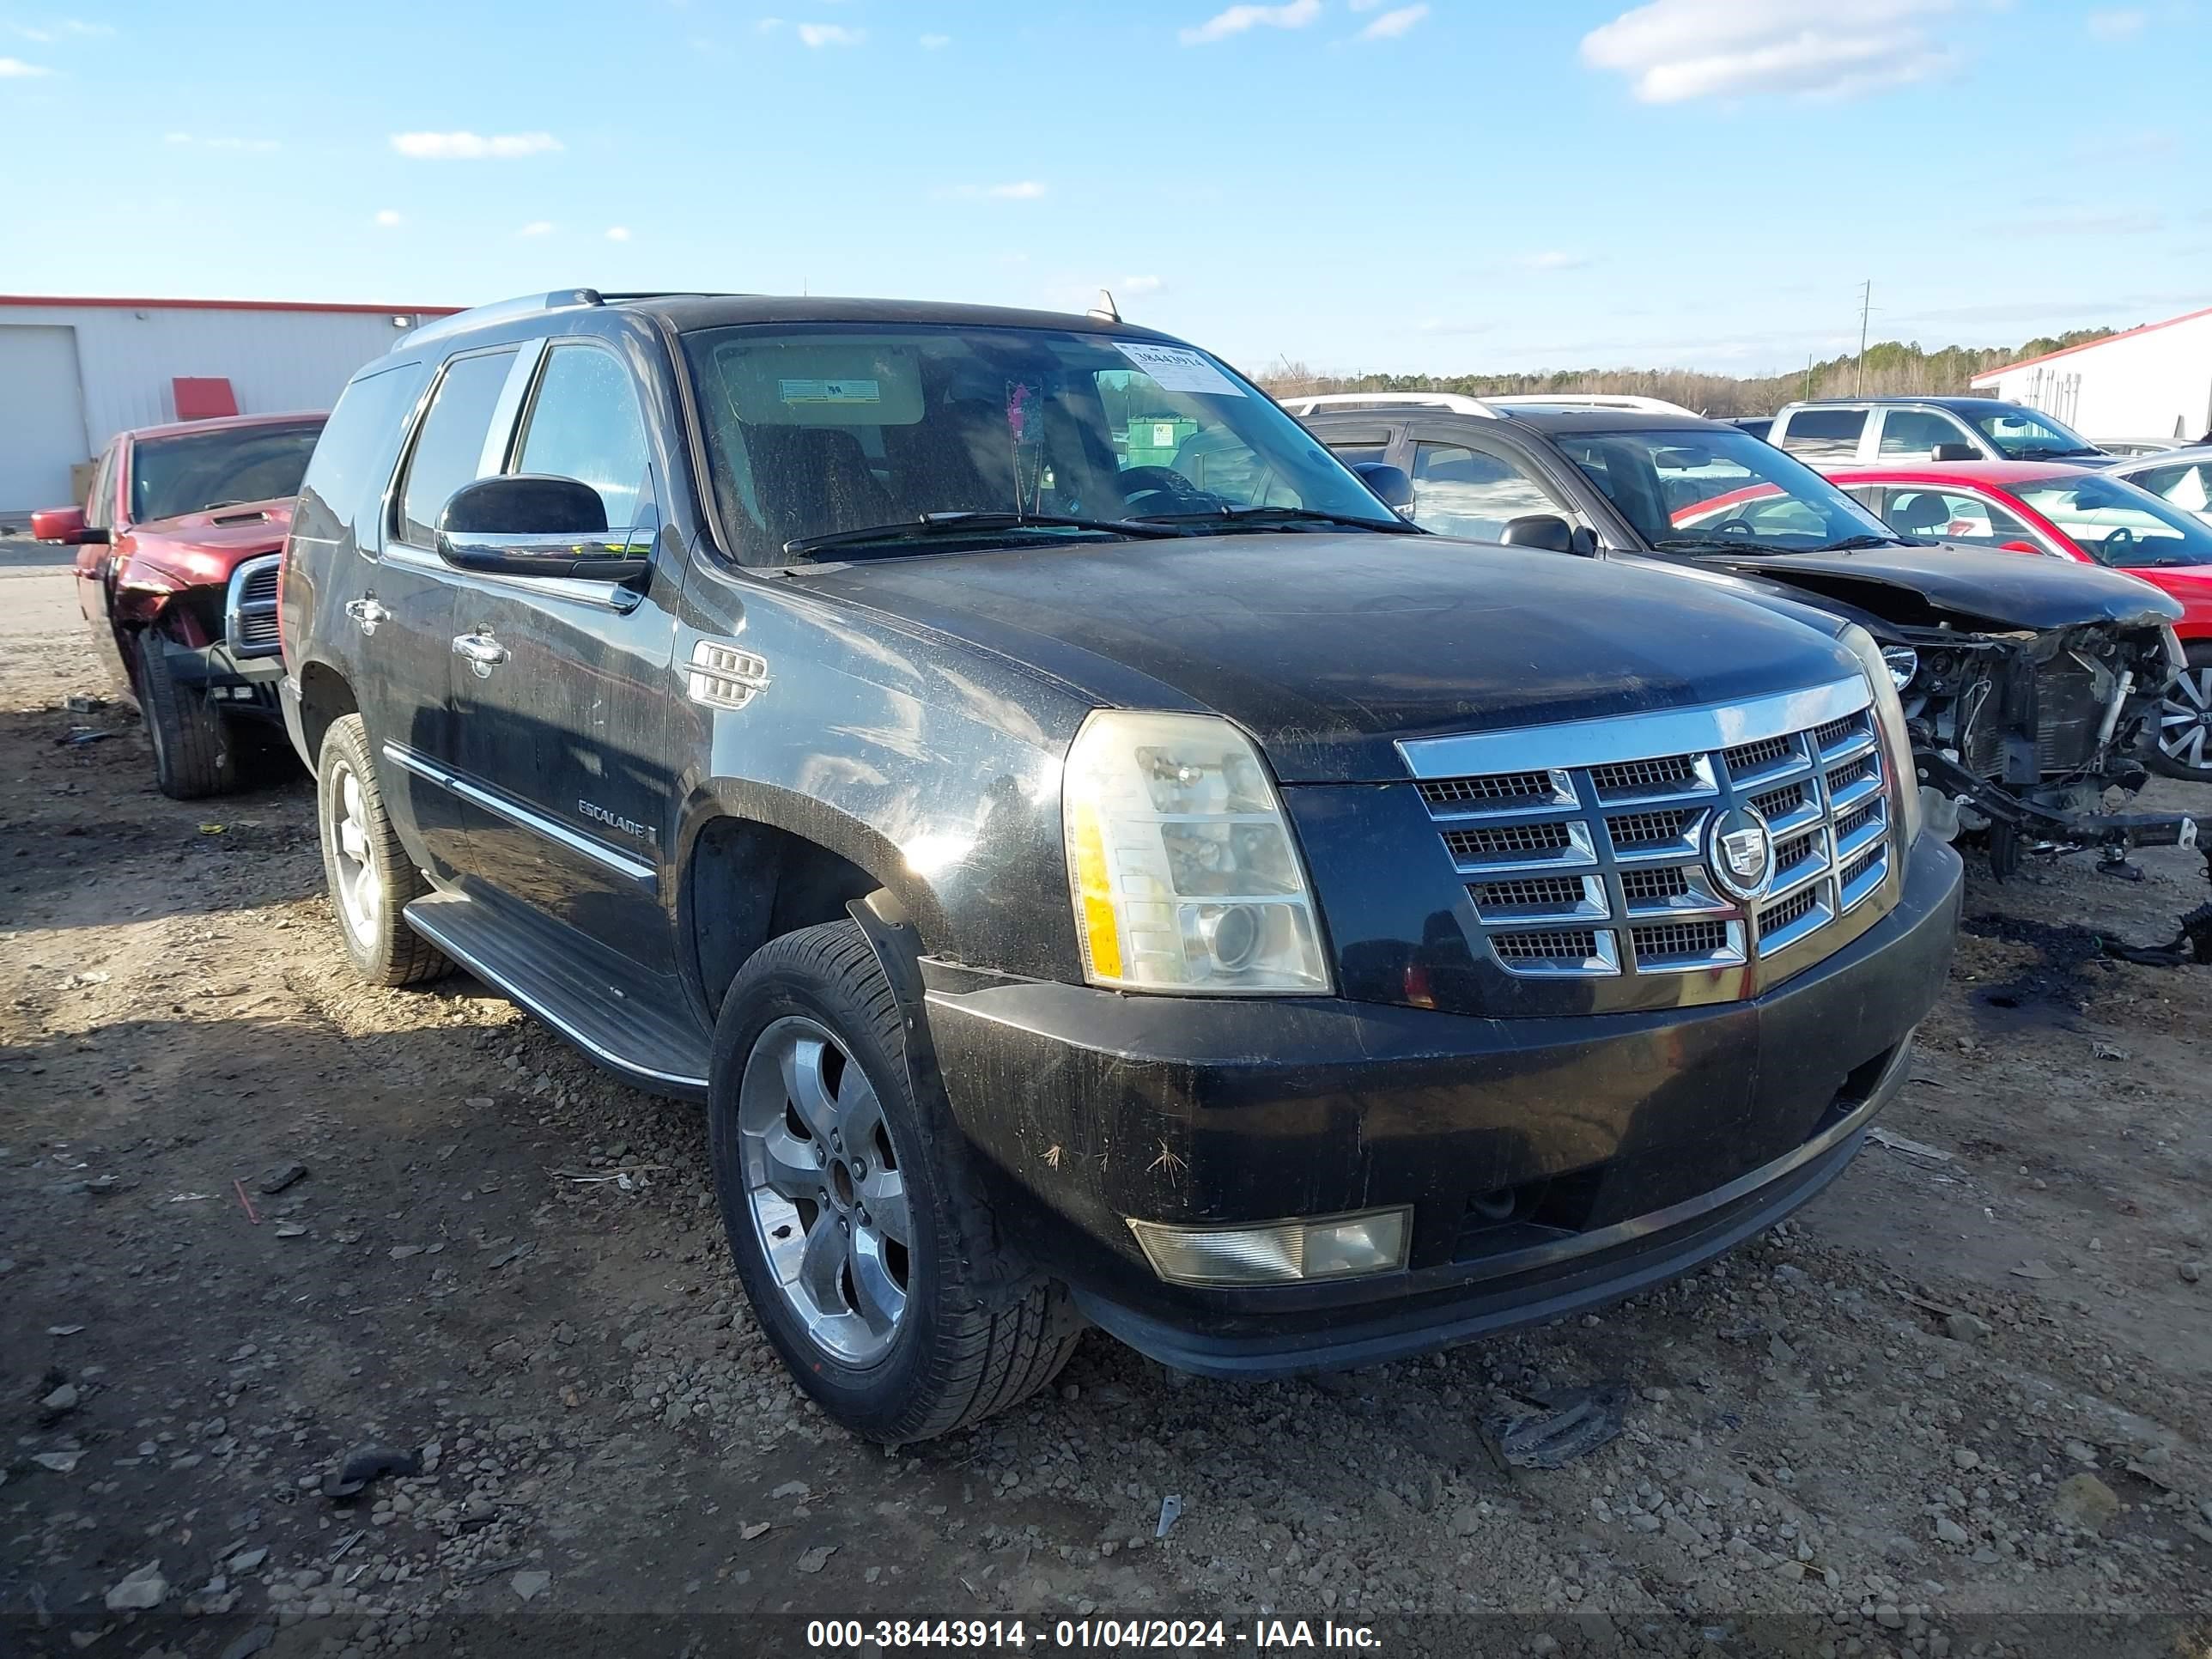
<point>1178,369</point>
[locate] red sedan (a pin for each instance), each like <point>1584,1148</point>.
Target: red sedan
<point>2064,512</point>
<point>176,574</point>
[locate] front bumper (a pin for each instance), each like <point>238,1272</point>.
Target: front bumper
<point>1953,782</point>
<point>1550,1163</point>
<point>235,685</point>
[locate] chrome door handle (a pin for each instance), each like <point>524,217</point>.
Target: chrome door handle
<point>367,613</point>
<point>481,651</point>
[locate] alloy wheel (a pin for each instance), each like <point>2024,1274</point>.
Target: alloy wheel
<point>825,1188</point>
<point>2184,719</point>
<point>358,894</point>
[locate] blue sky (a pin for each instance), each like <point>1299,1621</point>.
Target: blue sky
<point>1464,185</point>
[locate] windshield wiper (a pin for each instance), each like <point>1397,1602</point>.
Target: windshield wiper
<point>1852,544</point>
<point>931,525</point>
<point>1281,515</point>
<point>1724,545</point>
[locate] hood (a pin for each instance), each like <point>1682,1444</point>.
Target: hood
<point>1328,649</point>
<point>1967,586</point>
<point>203,548</point>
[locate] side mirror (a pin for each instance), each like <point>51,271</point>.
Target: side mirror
<point>66,526</point>
<point>1546,530</point>
<point>2019,547</point>
<point>1955,452</point>
<point>1388,482</point>
<point>527,524</point>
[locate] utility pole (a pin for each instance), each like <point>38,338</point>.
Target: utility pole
<point>1866,310</point>
<point>1808,377</point>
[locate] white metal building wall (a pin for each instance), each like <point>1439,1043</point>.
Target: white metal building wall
<point>2153,383</point>
<point>276,359</point>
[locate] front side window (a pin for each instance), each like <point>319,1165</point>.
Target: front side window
<point>1951,515</point>
<point>1694,489</point>
<point>100,509</point>
<point>198,471</point>
<point>2116,524</point>
<point>885,435</point>
<point>1458,491</point>
<point>449,446</point>
<point>1914,433</point>
<point>584,424</point>
<point>2022,434</point>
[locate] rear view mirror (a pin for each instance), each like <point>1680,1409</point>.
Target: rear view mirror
<point>528,524</point>
<point>66,526</point>
<point>1955,452</point>
<point>1544,530</point>
<point>1388,482</point>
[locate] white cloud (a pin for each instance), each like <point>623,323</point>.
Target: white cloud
<point>15,68</point>
<point>2118,25</point>
<point>1141,285</point>
<point>1294,14</point>
<point>472,147</point>
<point>1392,24</point>
<point>1016,190</point>
<point>47,34</point>
<point>1673,50</point>
<point>617,232</point>
<point>536,227</point>
<point>935,42</point>
<point>832,34</point>
<point>388,219</point>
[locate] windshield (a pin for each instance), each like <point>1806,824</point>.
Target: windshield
<point>197,470</point>
<point>2022,434</point>
<point>829,430</point>
<point>2117,523</point>
<point>1688,488</point>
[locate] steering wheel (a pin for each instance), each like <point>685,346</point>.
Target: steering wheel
<point>2120,542</point>
<point>1150,489</point>
<point>1738,526</point>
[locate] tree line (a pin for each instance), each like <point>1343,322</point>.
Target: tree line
<point>1893,367</point>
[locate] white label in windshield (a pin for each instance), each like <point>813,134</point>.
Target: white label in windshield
<point>1178,369</point>
<point>831,392</point>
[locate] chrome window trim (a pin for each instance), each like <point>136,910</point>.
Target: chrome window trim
<point>236,607</point>
<point>605,596</point>
<point>634,869</point>
<point>1634,737</point>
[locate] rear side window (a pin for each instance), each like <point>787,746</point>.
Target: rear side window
<point>353,457</point>
<point>585,425</point>
<point>449,448</point>
<point>1825,431</point>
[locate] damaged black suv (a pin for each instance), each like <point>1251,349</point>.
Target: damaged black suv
<point>1094,860</point>
<point>2029,685</point>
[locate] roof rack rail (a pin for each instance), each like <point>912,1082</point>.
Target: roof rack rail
<point>560,300</point>
<point>1457,403</point>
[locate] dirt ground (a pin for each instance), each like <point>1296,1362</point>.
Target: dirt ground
<point>1866,1433</point>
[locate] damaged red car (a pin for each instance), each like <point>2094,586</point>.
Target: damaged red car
<point>179,545</point>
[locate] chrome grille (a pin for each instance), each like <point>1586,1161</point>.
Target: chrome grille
<point>249,612</point>
<point>1584,848</point>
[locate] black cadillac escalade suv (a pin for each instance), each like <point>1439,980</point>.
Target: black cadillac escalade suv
<point>1094,859</point>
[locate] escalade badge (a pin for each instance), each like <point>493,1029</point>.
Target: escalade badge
<point>1739,852</point>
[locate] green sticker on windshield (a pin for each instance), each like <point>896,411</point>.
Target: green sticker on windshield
<point>830,392</point>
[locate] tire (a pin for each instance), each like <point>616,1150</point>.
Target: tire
<point>372,880</point>
<point>2188,705</point>
<point>193,754</point>
<point>820,1273</point>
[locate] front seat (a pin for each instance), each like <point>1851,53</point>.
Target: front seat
<point>1921,513</point>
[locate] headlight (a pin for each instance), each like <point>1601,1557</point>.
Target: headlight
<point>1181,866</point>
<point>1889,719</point>
<point>1904,663</point>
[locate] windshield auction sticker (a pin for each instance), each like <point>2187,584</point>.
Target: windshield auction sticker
<point>1178,369</point>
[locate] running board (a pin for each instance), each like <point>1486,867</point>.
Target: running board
<point>589,995</point>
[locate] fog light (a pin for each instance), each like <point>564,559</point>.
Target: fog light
<point>1278,1252</point>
